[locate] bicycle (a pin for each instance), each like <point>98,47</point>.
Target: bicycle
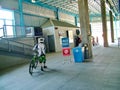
<point>34,62</point>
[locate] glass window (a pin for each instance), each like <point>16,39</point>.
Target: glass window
<point>1,28</point>
<point>6,22</point>
<point>9,27</point>
<point>6,14</point>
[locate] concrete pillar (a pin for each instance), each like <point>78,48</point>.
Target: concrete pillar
<point>104,23</point>
<point>111,24</point>
<point>85,24</point>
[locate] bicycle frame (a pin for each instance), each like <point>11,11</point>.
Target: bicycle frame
<point>34,62</point>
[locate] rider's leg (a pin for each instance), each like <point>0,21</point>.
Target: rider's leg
<point>41,67</point>
<point>44,62</point>
<point>40,61</point>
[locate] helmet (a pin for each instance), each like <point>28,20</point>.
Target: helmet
<point>40,40</point>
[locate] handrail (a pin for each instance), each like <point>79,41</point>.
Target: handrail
<point>14,41</point>
<point>15,47</point>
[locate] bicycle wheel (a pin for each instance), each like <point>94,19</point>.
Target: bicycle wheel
<point>35,63</point>
<point>31,66</point>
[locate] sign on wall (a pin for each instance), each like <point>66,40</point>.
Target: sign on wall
<point>65,42</point>
<point>66,51</point>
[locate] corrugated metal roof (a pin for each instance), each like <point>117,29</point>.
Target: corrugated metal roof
<point>58,23</point>
<point>62,23</point>
<point>72,5</point>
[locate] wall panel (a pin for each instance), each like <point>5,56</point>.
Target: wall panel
<point>33,21</point>
<point>67,18</point>
<point>9,4</point>
<point>37,10</point>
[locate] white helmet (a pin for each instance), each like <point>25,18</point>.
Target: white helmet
<point>40,40</point>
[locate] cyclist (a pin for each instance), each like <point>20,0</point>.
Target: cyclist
<point>40,48</point>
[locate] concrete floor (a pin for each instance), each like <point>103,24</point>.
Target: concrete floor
<point>102,73</point>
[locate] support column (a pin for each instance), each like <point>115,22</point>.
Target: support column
<point>85,24</point>
<point>21,17</point>
<point>111,24</point>
<point>104,24</point>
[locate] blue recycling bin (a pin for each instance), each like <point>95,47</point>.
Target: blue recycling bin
<point>78,54</point>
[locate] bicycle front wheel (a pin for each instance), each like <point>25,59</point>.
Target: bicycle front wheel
<point>35,64</point>
<point>31,66</point>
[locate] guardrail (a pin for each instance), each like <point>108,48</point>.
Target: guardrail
<point>15,47</point>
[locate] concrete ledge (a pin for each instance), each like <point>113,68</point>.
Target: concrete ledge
<point>11,59</point>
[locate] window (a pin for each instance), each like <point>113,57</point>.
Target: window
<point>1,28</point>
<point>6,22</point>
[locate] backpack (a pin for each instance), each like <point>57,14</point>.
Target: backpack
<point>79,40</point>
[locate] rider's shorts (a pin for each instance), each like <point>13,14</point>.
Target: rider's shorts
<point>42,58</point>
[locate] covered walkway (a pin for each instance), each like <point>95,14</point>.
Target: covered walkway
<point>102,73</point>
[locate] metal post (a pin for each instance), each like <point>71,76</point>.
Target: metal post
<point>76,20</point>
<point>57,15</point>
<point>4,29</point>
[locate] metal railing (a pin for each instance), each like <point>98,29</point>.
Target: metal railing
<point>15,47</point>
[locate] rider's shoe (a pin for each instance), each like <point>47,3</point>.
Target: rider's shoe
<point>42,68</point>
<point>45,66</point>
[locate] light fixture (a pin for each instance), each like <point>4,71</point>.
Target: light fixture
<point>34,1</point>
